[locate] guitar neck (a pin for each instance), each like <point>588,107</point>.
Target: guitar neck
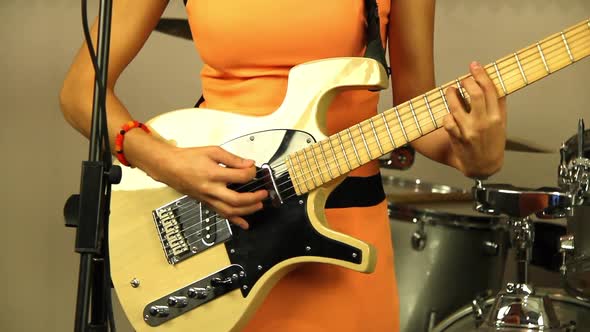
<point>346,150</point>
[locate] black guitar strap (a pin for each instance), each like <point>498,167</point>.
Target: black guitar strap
<point>374,49</point>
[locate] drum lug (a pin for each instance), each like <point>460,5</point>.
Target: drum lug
<point>419,237</point>
<point>477,306</point>
<point>491,248</point>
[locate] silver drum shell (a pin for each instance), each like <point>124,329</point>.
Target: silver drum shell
<point>462,256</point>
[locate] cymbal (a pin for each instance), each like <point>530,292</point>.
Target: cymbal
<point>404,190</point>
<point>177,27</point>
<point>521,145</point>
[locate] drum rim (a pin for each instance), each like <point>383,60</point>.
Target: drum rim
<point>433,217</point>
<point>413,185</point>
<point>467,309</point>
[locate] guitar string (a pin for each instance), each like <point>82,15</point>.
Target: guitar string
<point>370,143</point>
<point>547,52</point>
<point>422,115</point>
<point>190,243</point>
<point>506,80</point>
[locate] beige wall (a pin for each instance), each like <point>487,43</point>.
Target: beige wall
<point>42,154</point>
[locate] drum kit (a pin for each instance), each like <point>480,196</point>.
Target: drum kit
<point>450,266</point>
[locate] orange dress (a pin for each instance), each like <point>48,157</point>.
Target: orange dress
<point>248,48</point>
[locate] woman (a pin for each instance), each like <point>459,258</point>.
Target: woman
<point>248,48</point>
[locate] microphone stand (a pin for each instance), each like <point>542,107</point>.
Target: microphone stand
<point>89,210</point>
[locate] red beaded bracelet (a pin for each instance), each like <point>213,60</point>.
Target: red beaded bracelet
<point>121,136</point>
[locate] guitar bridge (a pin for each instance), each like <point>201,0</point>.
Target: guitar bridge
<point>186,227</point>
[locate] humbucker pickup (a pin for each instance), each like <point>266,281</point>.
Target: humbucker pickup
<point>187,227</point>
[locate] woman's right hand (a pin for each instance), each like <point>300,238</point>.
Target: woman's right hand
<point>200,172</point>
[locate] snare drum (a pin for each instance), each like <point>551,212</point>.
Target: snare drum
<point>567,309</point>
<point>443,261</point>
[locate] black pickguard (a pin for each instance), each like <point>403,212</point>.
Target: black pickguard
<point>277,234</point>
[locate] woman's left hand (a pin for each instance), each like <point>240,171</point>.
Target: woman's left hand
<point>478,131</point>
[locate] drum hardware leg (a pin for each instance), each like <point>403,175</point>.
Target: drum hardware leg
<point>431,320</point>
<point>566,246</point>
<point>522,236</point>
<point>518,306</point>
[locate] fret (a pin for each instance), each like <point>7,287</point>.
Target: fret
<point>344,151</point>
<point>430,111</point>
<point>567,47</point>
<point>296,182</point>
<point>310,169</point>
<point>302,172</point>
<point>500,78</point>
<point>317,164</point>
<point>388,131</point>
<point>526,82</point>
<point>444,98</point>
<point>460,89</point>
<point>326,160</point>
<point>415,118</point>
<point>364,141</point>
<point>401,124</point>
<point>376,136</point>
<point>543,58</point>
<point>340,172</point>
<point>356,153</point>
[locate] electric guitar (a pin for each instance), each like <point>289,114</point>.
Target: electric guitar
<point>178,266</point>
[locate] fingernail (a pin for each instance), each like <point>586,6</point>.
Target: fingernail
<point>475,64</point>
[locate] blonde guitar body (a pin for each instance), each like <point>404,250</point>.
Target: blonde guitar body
<point>145,268</point>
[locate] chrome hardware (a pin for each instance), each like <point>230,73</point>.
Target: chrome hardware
<point>308,248</point>
<point>419,240</point>
<point>545,203</point>
<point>271,185</point>
<point>574,174</point>
<point>159,311</point>
<point>419,237</point>
<point>566,246</point>
<point>194,295</point>
<point>134,283</point>
<point>186,227</point>
<point>198,293</point>
<point>491,248</point>
<point>178,301</point>
<point>477,306</point>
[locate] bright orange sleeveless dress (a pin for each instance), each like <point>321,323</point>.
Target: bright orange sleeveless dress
<point>248,47</point>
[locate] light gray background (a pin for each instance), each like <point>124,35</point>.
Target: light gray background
<point>42,154</point>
